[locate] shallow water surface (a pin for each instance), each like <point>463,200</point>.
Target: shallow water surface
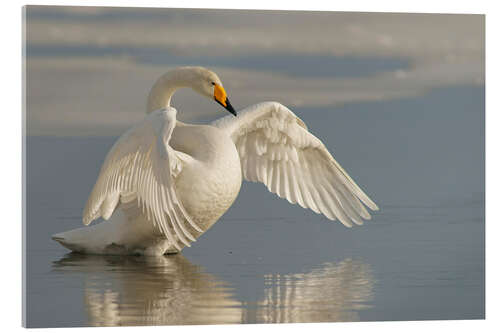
<point>172,290</point>
<point>266,261</point>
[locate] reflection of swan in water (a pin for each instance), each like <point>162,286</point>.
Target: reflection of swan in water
<point>166,290</point>
<point>334,292</point>
<point>170,291</point>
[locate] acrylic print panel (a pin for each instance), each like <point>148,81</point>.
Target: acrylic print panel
<point>397,99</point>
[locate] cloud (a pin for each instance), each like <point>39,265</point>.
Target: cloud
<point>207,32</point>
<point>103,94</point>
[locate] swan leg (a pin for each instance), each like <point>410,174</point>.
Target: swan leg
<point>158,248</point>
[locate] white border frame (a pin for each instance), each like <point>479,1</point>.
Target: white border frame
<point>12,170</point>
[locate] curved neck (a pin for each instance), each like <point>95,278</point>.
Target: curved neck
<point>163,89</point>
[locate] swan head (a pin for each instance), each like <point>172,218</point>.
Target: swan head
<point>208,84</point>
<point>203,81</point>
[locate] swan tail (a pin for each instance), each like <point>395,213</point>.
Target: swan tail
<point>118,236</point>
<point>88,240</point>
<point>75,240</point>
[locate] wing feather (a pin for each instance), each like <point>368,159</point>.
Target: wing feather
<point>276,148</point>
<point>142,165</point>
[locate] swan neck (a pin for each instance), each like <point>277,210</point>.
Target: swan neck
<point>164,88</point>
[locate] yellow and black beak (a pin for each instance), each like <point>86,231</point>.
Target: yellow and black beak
<point>221,98</point>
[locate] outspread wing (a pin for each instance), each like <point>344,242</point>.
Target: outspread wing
<point>276,149</point>
<point>141,164</point>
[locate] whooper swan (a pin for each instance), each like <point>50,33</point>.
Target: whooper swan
<point>165,182</point>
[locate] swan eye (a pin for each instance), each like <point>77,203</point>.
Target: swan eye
<point>212,83</point>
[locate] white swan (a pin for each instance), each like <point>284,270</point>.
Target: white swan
<point>164,182</point>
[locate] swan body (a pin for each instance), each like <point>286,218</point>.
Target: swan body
<point>164,182</point>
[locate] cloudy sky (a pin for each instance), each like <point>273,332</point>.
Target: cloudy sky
<point>89,70</point>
